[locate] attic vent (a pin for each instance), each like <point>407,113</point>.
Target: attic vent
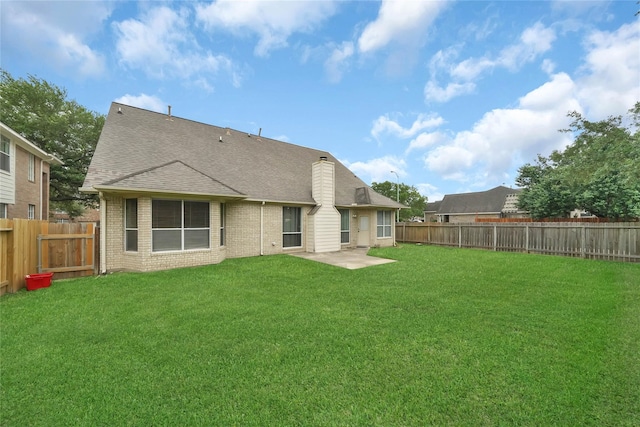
<point>323,158</point>
<point>228,131</point>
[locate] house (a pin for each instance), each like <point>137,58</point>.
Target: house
<point>431,211</point>
<point>176,193</point>
<point>499,202</point>
<point>24,177</point>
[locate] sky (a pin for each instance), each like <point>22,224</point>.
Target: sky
<point>446,96</point>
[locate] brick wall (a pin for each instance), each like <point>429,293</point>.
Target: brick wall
<point>28,192</point>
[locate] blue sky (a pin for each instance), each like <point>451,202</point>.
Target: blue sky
<point>453,96</point>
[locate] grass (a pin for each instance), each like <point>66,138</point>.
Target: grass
<point>442,337</point>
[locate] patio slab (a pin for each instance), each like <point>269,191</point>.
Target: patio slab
<point>351,259</point>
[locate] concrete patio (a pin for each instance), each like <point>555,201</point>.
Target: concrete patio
<point>350,259</point>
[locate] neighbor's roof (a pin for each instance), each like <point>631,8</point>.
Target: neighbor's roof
<point>490,201</point>
<point>28,145</point>
<point>140,150</point>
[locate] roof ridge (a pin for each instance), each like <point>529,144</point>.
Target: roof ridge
<point>143,171</point>
<point>220,127</point>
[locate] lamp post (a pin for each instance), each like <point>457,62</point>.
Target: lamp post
<point>397,194</point>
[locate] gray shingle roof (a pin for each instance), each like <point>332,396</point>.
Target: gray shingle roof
<point>147,151</point>
<point>490,201</point>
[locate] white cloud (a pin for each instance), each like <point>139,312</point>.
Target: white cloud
<point>385,125</point>
<point>431,191</point>
<point>148,102</point>
<point>609,80</point>
<point>272,21</point>
<point>399,21</point>
<point>433,92</point>
<point>503,138</point>
<point>161,44</point>
<point>377,170</point>
<point>533,42</point>
<point>57,35</point>
<point>337,63</point>
<point>427,139</point>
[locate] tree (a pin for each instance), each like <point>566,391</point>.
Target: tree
<point>599,172</point>
<point>41,112</point>
<point>409,196</point>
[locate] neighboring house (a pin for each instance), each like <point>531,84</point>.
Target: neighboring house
<point>499,202</point>
<point>431,211</point>
<point>177,193</point>
<point>90,215</point>
<point>24,177</point>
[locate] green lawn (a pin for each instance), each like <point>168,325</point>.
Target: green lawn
<point>442,337</point>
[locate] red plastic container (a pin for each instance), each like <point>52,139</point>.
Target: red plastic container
<point>37,281</point>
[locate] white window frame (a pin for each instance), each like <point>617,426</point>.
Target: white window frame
<point>31,212</point>
<point>289,233</point>
<point>223,224</point>
<point>4,208</point>
<point>384,224</point>
<point>129,228</point>
<point>5,154</point>
<point>31,169</point>
<point>345,232</point>
<point>183,228</point>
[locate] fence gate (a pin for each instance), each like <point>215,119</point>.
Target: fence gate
<point>68,255</point>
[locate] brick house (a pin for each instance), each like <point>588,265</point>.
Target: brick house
<point>177,193</point>
<point>498,202</point>
<point>24,177</point>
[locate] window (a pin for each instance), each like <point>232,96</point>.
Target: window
<point>31,213</point>
<point>291,227</point>
<point>384,224</point>
<point>223,220</point>
<point>344,225</point>
<point>5,154</point>
<point>131,225</point>
<point>3,210</point>
<point>179,225</point>
<point>31,170</point>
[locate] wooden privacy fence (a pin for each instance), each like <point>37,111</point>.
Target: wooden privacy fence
<point>611,241</point>
<point>30,247</point>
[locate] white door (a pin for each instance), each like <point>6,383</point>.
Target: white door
<point>363,231</point>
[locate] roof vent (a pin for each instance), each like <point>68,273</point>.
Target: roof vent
<point>220,139</point>
<point>169,112</point>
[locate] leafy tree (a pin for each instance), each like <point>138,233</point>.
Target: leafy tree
<point>598,172</point>
<point>41,112</point>
<point>409,196</point>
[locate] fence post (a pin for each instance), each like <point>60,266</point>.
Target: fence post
<point>583,242</point>
<point>459,236</point>
<point>526,238</point>
<point>495,237</point>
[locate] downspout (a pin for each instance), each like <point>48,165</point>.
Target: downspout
<point>262,228</point>
<point>41,188</point>
<point>103,234</point>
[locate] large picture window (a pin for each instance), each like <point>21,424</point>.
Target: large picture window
<point>291,227</point>
<point>5,154</point>
<point>178,225</point>
<point>131,225</point>
<point>384,224</point>
<point>344,225</point>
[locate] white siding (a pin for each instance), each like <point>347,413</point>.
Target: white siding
<point>8,179</point>
<point>324,224</point>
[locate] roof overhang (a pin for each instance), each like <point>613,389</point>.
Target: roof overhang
<point>30,147</point>
<point>156,192</point>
